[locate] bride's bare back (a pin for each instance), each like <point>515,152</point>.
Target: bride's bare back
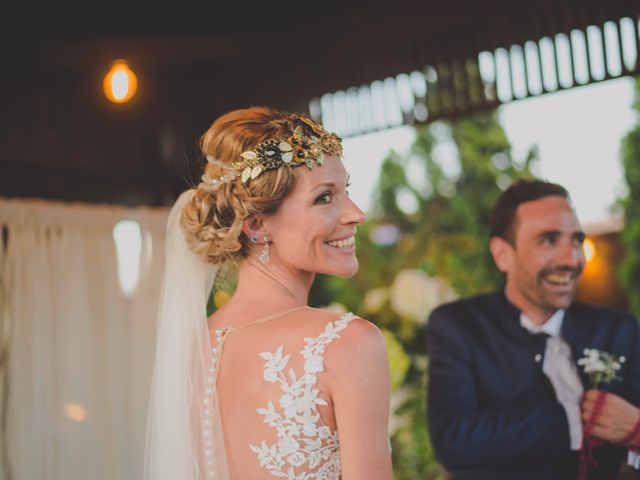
<point>283,383</point>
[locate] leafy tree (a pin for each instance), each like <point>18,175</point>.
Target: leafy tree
<point>449,228</point>
<point>630,265</point>
<point>440,211</point>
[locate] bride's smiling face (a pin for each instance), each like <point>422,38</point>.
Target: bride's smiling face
<point>314,228</point>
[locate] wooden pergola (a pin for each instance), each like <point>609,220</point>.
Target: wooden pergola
<point>61,139</point>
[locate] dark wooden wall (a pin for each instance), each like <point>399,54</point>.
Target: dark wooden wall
<point>61,139</point>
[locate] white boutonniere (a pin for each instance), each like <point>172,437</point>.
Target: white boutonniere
<point>599,366</point>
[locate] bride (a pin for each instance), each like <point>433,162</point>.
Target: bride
<point>267,387</point>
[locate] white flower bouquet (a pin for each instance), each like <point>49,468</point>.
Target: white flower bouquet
<point>600,367</point>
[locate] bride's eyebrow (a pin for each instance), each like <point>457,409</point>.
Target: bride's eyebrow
<point>323,185</point>
<point>329,184</point>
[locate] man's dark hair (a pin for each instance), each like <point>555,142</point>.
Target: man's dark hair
<point>503,215</point>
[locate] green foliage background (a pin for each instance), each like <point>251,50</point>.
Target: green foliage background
<point>446,236</point>
<point>630,266</point>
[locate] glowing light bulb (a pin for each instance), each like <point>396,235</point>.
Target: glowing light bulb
<point>589,249</point>
<point>120,83</point>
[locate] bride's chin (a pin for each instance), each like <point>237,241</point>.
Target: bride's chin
<point>346,271</point>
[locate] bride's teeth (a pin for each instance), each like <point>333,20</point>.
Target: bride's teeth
<point>346,243</point>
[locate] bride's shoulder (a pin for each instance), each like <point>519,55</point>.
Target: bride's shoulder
<point>357,336</point>
<point>357,350</point>
<point>357,325</point>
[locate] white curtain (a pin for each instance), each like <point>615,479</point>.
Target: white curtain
<point>80,352</point>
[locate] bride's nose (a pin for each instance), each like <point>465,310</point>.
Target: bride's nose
<point>352,213</point>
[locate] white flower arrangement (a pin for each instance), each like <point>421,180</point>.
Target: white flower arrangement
<point>600,367</point>
<point>414,294</point>
<point>375,299</point>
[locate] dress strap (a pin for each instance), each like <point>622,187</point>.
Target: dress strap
<point>330,333</point>
<point>273,316</point>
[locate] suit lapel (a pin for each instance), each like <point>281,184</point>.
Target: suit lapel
<point>509,318</point>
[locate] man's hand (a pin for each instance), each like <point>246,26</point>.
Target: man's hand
<point>616,419</point>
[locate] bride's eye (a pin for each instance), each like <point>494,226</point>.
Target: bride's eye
<point>323,199</point>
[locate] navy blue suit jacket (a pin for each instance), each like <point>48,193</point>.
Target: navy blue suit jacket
<point>492,412</point>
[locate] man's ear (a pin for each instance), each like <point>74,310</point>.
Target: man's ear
<point>502,252</point>
<point>253,227</point>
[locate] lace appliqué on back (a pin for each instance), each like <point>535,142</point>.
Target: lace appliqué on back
<point>304,441</point>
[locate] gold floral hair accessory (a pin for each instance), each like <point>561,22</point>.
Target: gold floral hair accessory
<point>296,150</point>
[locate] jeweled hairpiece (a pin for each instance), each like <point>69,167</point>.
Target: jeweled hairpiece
<point>296,150</point>
<point>211,184</point>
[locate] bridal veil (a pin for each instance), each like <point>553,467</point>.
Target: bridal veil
<point>184,437</point>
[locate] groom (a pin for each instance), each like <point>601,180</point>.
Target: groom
<point>507,399</point>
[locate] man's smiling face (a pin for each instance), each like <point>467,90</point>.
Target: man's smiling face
<point>545,261</point>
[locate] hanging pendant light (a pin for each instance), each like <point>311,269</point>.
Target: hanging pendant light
<point>120,83</point>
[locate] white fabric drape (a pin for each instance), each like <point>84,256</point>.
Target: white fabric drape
<point>143,326</point>
<point>80,353</point>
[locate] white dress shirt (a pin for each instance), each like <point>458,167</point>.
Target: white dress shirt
<point>561,371</point>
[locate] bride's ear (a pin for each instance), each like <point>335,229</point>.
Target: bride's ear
<point>254,228</point>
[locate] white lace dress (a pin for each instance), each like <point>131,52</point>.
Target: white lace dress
<point>300,445</point>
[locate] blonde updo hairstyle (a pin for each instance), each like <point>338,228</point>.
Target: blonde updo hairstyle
<point>212,222</point>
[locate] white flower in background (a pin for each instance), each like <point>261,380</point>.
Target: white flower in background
<point>336,308</point>
<point>397,399</point>
<point>374,299</point>
<point>414,294</point>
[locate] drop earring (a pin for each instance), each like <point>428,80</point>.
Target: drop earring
<point>253,238</point>
<point>264,256</point>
